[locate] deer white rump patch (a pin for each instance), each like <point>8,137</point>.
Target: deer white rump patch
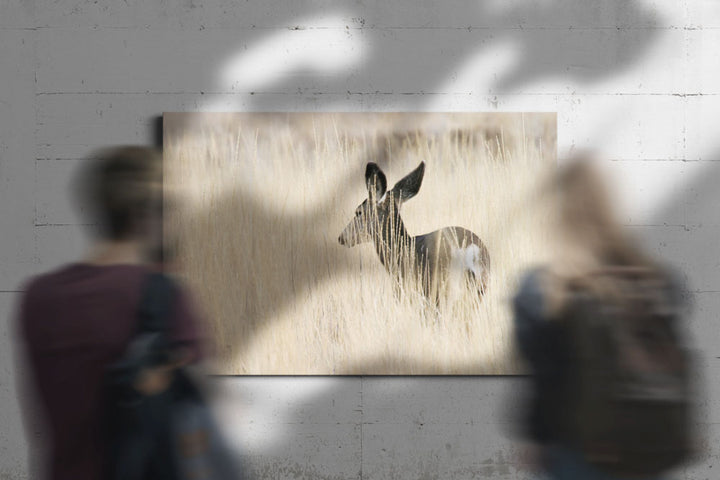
<point>467,258</point>
<point>463,260</point>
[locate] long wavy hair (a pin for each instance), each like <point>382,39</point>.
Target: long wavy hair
<point>591,239</point>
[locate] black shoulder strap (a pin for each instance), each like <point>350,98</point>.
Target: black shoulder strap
<point>156,302</point>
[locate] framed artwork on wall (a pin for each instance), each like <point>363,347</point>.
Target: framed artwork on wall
<point>358,243</point>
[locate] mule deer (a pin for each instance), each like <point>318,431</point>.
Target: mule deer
<point>435,259</point>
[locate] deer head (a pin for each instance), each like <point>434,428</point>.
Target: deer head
<point>381,210</point>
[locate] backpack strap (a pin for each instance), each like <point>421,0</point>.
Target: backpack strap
<point>155,304</point>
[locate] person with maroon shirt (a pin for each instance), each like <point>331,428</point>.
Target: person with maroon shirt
<point>74,322</point>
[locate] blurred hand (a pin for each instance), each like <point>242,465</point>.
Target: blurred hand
<point>153,381</point>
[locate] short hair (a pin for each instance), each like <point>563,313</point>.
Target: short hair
<point>122,188</point>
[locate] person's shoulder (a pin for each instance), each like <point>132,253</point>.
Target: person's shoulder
<point>531,281</point>
<point>41,281</point>
<point>32,284</point>
<point>35,292</point>
<point>70,275</point>
<point>180,291</point>
<point>529,297</point>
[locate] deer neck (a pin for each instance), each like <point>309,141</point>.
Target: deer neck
<point>393,244</point>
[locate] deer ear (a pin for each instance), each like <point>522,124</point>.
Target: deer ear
<point>375,181</point>
<point>410,184</point>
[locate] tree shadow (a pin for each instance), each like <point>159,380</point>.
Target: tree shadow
<point>556,39</point>
<point>591,56</point>
<point>551,39</point>
<point>431,418</point>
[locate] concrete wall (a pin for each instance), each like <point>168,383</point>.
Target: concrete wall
<point>638,80</point>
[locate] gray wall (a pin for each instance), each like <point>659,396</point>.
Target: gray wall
<point>638,80</point>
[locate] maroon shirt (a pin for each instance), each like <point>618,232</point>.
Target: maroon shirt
<point>73,323</point>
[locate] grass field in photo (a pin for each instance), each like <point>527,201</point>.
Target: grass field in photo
<point>258,203</point>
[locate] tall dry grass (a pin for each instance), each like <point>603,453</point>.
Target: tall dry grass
<point>263,198</point>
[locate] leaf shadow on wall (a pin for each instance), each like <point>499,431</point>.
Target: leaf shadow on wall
<point>545,47</point>
<point>604,55</point>
<point>409,64</point>
<point>426,417</point>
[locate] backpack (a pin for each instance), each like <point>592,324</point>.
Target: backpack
<point>168,436</point>
<point>629,406</point>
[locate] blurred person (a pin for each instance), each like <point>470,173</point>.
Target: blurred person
<point>598,328</point>
<point>75,321</point>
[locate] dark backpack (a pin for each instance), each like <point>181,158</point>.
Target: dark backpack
<point>629,406</point>
<point>168,436</point>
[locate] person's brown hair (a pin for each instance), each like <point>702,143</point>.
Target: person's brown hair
<point>591,237</point>
<point>122,188</point>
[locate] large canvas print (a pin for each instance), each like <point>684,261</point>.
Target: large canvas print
<point>354,243</point>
